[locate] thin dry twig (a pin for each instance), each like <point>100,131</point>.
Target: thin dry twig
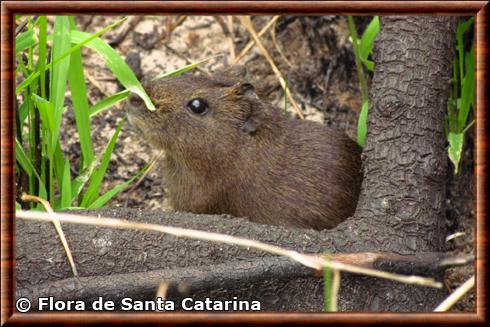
<point>229,23</point>
<point>454,236</point>
<point>162,290</point>
<point>227,28</point>
<point>57,225</point>
<point>153,161</point>
<point>248,25</point>
<point>313,261</point>
<point>131,188</point>
<point>21,26</point>
<point>129,26</point>
<point>187,60</point>
<point>278,47</point>
<point>96,83</point>
<point>252,42</point>
<point>456,295</point>
<point>171,26</point>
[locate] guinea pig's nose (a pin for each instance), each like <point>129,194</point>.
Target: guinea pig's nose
<point>134,101</point>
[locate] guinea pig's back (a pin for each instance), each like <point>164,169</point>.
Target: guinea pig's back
<point>326,170</point>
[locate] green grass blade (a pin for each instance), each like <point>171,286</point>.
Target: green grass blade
<point>23,160</point>
<point>102,200</point>
<point>467,92</point>
<point>23,112</point>
<point>28,167</point>
<point>66,186</point>
<point>362,124</point>
<point>59,163</point>
<point>367,39</point>
<point>96,180</point>
<point>81,107</point>
<point>35,75</point>
<point>184,69</point>
<point>108,102</point>
<point>460,30</point>
<point>41,63</point>
<point>45,111</point>
<point>360,70</point>
<point>59,75</point>
<point>79,182</point>
<point>327,289</point>
<point>368,64</point>
<point>116,64</point>
<point>25,40</point>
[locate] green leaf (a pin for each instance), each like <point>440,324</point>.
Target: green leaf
<point>45,111</point>
<point>368,37</point>
<point>25,40</point>
<point>28,167</point>
<point>59,75</point>
<point>80,106</point>
<point>102,200</point>
<point>468,89</point>
<point>116,64</point>
<point>66,186</point>
<point>23,112</point>
<point>108,102</point>
<point>362,124</point>
<point>96,180</point>
<point>456,141</point>
<point>360,70</point>
<point>23,160</point>
<point>59,163</point>
<point>368,64</point>
<point>79,182</point>
<point>35,75</point>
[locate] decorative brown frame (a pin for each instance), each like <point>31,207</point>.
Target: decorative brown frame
<point>10,8</point>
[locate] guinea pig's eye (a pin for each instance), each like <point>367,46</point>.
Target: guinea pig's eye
<point>198,106</point>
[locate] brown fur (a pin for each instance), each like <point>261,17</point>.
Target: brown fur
<point>245,158</point>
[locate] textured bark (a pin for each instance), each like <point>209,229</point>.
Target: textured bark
<point>115,263</point>
<point>401,208</point>
<point>405,155</point>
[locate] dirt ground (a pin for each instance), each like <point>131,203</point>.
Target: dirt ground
<point>315,57</point>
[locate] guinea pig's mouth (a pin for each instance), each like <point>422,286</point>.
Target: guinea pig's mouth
<point>136,117</point>
<point>132,111</point>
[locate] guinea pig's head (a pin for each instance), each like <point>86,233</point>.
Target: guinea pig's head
<point>199,117</point>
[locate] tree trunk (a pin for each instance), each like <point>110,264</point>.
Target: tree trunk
<point>401,209</point>
<point>402,203</point>
<point>405,157</point>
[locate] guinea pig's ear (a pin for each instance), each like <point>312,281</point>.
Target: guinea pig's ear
<point>245,89</point>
